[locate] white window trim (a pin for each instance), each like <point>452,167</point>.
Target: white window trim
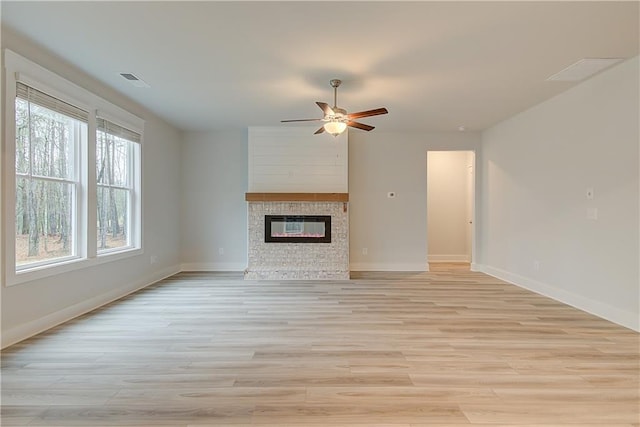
<point>135,178</point>
<point>78,207</point>
<point>18,68</point>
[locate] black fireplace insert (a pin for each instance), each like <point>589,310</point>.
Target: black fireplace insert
<point>297,228</point>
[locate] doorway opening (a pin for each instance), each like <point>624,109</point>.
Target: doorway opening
<point>450,210</point>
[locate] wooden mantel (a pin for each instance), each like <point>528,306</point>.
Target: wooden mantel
<point>296,197</point>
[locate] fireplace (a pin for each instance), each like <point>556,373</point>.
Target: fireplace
<point>297,228</point>
<point>297,236</point>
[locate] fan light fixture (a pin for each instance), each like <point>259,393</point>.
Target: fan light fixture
<point>336,119</point>
<point>335,127</point>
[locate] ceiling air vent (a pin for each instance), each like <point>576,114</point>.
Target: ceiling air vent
<point>134,80</point>
<point>584,68</point>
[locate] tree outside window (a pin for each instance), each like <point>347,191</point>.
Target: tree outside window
<point>46,182</point>
<point>114,175</point>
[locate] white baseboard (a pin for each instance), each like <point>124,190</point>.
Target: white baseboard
<point>613,314</point>
<point>34,327</point>
<point>213,266</point>
<point>375,266</point>
<point>449,258</point>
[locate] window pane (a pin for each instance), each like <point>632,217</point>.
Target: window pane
<point>113,218</point>
<point>43,220</point>
<point>44,141</point>
<point>22,136</point>
<point>112,160</point>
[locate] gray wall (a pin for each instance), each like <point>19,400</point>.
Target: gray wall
<point>394,231</point>
<point>537,167</point>
<point>214,212</point>
<point>30,307</point>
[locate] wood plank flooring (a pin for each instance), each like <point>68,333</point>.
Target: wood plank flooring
<point>445,348</point>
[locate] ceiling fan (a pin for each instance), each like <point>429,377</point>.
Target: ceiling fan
<point>337,119</point>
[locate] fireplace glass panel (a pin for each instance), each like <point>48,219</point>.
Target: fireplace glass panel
<point>298,228</point>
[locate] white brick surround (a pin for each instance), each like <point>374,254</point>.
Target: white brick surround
<point>298,261</point>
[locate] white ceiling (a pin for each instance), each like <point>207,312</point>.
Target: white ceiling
<point>434,65</point>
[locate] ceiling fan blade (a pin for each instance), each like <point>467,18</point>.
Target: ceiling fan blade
<point>319,131</point>
<point>325,108</point>
<point>360,125</point>
<point>367,113</point>
<point>300,120</point>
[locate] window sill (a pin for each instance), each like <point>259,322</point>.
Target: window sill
<point>41,272</point>
<point>115,255</point>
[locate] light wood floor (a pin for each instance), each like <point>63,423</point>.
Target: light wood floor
<point>445,348</point>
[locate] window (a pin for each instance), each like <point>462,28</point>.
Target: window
<point>49,133</point>
<point>73,176</point>
<point>115,157</point>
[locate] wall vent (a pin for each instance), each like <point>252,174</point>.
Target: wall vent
<point>584,68</point>
<point>134,80</point>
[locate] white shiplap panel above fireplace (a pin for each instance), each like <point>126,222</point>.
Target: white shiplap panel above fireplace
<point>294,160</point>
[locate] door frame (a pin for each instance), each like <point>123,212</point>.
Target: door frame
<point>472,200</point>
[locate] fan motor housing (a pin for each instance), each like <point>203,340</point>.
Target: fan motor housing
<point>339,111</point>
